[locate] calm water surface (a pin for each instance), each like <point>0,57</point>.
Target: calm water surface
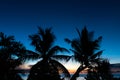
<point>116,75</point>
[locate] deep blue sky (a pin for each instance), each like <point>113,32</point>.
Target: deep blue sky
<point>21,18</point>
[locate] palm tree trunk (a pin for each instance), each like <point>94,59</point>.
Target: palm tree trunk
<point>76,74</point>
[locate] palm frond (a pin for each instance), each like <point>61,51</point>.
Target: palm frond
<point>60,67</point>
<point>97,42</point>
<point>30,55</point>
<point>79,34</point>
<point>76,45</point>
<point>62,57</point>
<point>43,40</point>
<point>46,35</point>
<point>77,55</point>
<point>67,40</point>
<point>56,49</point>
<point>41,31</point>
<point>36,42</point>
<point>6,40</point>
<point>98,54</point>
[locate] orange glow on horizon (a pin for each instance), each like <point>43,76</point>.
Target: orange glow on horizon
<point>24,66</point>
<point>71,66</point>
<point>72,71</point>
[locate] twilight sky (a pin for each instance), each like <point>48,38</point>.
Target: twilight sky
<point>21,18</point>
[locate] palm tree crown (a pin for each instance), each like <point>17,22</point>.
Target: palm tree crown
<point>43,42</point>
<point>11,56</point>
<point>84,49</point>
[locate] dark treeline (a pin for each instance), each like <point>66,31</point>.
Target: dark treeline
<point>85,49</point>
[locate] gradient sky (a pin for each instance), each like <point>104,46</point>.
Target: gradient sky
<point>21,18</point>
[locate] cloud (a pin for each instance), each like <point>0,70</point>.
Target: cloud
<point>24,67</point>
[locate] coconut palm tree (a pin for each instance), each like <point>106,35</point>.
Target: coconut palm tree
<point>100,72</point>
<point>11,56</point>
<point>103,69</point>
<point>84,49</point>
<point>48,68</point>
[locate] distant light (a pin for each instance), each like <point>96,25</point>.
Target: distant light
<point>81,78</point>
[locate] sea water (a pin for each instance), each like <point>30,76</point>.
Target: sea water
<point>116,75</point>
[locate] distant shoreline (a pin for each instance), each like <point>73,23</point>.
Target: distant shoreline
<point>115,75</point>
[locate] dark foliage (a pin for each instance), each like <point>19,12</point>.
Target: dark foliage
<point>100,71</point>
<point>85,49</point>
<point>47,68</point>
<point>10,57</point>
<point>44,71</point>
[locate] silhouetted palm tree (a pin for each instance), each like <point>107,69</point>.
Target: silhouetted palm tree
<point>11,56</point>
<point>100,72</point>
<point>47,68</point>
<point>84,49</point>
<point>104,70</point>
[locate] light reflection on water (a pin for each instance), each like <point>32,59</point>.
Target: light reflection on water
<point>24,76</point>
